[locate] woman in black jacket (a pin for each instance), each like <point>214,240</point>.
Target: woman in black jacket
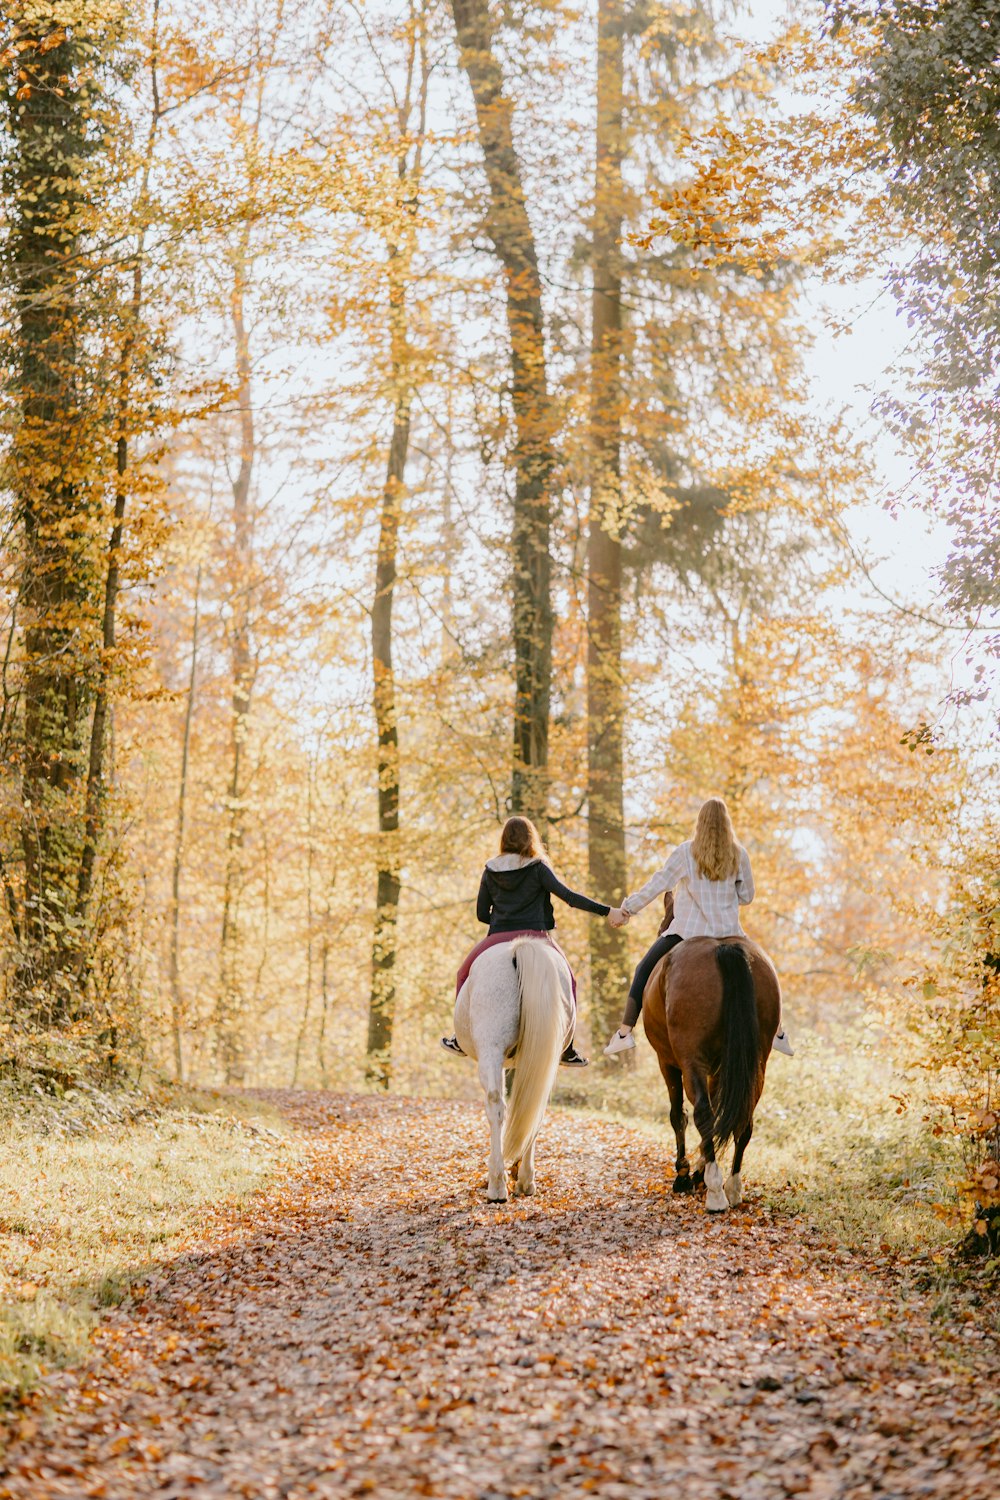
<point>515,896</point>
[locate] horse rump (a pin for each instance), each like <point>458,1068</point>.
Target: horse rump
<point>740,1075</point>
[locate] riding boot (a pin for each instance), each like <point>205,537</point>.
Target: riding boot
<point>572,1059</point>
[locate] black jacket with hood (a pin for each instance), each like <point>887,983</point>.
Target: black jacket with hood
<point>515,895</point>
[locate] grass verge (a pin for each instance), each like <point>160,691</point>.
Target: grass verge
<point>831,1144</point>
<point>94,1187</point>
<point>835,1154</point>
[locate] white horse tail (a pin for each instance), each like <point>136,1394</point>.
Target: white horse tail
<point>539,1044</point>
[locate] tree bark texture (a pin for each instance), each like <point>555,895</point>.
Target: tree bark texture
<point>509,227</point>
<point>307,999</point>
<point>230,1004</point>
<point>173,965</point>
<point>605,688</point>
<point>58,503</point>
<point>382,1002</point>
<point>97,775</point>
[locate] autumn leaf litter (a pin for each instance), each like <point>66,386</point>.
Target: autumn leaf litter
<point>372,1326</point>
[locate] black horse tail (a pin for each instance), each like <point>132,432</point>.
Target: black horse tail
<point>739,1079</point>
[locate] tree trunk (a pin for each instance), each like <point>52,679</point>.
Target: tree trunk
<point>262,928</point>
<point>96,771</point>
<point>307,1001</point>
<point>605,689</point>
<point>510,230</point>
<point>382,1002</point>
<point>176,997</point>
<point>94,801</point>
<point>58,505</point>
<point>324,1000</point>
<point>324,980</point>
<point>230,1043</point>
<point>381,1010</point>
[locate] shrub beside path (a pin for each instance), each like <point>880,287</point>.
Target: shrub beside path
<point>371,1326</point>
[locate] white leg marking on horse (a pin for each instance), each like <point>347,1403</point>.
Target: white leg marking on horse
<point>734,1189</point>
<point>716,1200</point>
<point>496,1190</point>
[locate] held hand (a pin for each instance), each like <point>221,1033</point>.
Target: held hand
<point>617,917</point>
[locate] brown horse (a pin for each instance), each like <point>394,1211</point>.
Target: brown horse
<point>710,1010</point>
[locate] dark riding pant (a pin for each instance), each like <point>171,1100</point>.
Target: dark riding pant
<point>640,978</point>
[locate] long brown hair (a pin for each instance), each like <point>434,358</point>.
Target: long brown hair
<point>714,848</point>
<point>520,836</point>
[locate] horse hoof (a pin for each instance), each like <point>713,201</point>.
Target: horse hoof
<point>496,1197</point>
<point>734,1190</point>
<point>683,1183</point>
<point>716,1201</point>
<point>697,1180</point>
<point>525,1190</point>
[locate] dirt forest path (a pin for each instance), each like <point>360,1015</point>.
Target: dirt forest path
<point>372,1326</point>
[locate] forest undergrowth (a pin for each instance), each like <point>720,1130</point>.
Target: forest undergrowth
<point>836,1151</point>
<point>834,1147</point>
<point>830,1141</point>
<point>96,1185</point>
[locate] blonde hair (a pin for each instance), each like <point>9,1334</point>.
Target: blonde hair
<point>714,848</point>
<point>520,836</point>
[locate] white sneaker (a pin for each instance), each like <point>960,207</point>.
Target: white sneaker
<point>782,1044</point>
<point>619,1043</point>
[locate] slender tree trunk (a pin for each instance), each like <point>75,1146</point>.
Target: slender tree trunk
<point>510,230</point>
<point>263,930</point>
<point>605,694</point>
<point>324,982</point>
<point>324,995</point>
<point>382,1004</point>
<point>7,718</point>
<point>96,771</point>
<point>230,1006</point>
<point>176,996</point>
<point>94,801</point>
<point>448,536</point>
<point>300,1039</point>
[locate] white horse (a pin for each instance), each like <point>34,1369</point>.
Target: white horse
<point>516,1006</point>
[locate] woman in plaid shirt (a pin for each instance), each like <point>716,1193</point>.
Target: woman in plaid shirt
<point>711,878</point>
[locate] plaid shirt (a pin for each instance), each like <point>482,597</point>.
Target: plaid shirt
<point>702,908</point>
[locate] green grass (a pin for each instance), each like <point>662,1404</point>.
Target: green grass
<point>830,1146</point>
<point>96,1186</point>
<point>854,1177</point>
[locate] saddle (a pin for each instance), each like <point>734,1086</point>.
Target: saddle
<point>508,937</point>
